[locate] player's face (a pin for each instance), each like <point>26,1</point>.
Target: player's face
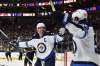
<point>41,30</point>
<point>76,20</point>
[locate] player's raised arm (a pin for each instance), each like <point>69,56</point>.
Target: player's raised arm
<point>75,31</point>
<point>72,25</point>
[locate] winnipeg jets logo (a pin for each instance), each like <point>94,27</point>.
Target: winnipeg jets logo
<point>41,47</point>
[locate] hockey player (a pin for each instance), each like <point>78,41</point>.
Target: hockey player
<point>44,43</point>
<point>29,56</point>
<point>83,39</point>
<point>8,54</point>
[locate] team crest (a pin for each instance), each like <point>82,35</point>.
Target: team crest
<point>41,47</point>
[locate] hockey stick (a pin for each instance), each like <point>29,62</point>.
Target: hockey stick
<point>52,5</point>
<point>29,59</point>
<point>13,45</point>
<point>23,53</point>
<point>3,34</point>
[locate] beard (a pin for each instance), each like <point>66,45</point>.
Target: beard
<point>41,33</point>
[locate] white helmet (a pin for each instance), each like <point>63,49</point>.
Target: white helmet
<point>84,12</point>
<point>40,25</point>
<point>78,15</point>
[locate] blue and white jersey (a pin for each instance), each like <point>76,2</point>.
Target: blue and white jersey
<point>83,37</point>
<point>44,46</point>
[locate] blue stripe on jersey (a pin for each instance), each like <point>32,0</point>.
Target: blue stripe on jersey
<point>79,63</point>
<point>51,54</point>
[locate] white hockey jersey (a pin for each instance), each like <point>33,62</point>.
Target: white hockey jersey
<point>84,49</point>
<point>44,46</point>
